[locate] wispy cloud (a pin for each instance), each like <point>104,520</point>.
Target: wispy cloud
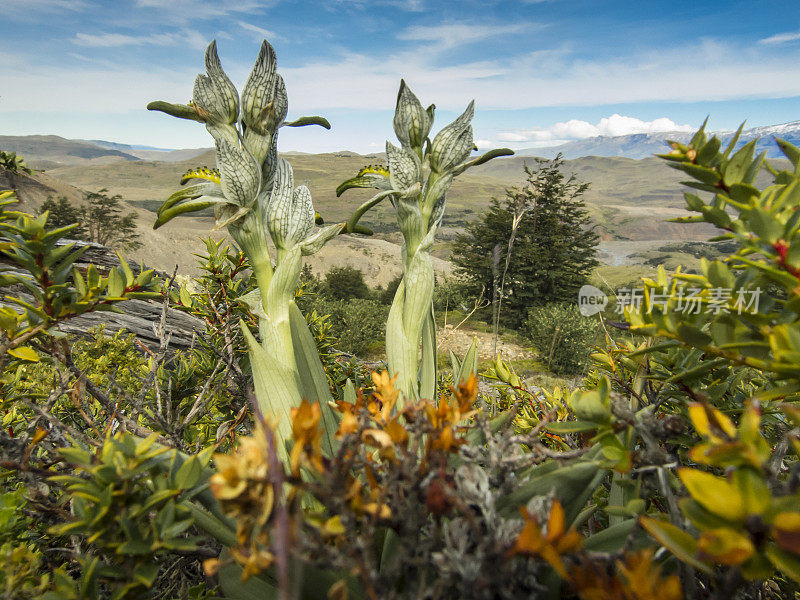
<point>575,129</point>
<point>406,5</point>
<point>191,38</point>
<point>204,9</point>
<point>781,38</point>
<point>548,78</point>
<point>451,35</point>
<point>32,9</point>
<point>259,31</point>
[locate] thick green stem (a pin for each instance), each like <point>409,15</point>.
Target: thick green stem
<point>251,237</point>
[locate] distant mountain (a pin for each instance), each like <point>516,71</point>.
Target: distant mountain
<point>51,151</point>
<point>643,145</point>
<point>124,147</point>
<point>46,151</point>
<point>151,152</point>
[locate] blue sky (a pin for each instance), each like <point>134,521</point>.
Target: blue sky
<point>541,72</point>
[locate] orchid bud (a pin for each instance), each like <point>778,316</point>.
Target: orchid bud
<point>264,99</point>
<point>412,123</point>
<point>215,97</point>
<point>453,144</point>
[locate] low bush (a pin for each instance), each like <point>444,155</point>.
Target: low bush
<point>562,335</point>
<point>345,283</point>
<point>358,324</point>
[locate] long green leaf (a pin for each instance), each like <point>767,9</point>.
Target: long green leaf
<point>469,365</point>
<point>276,386</point>
<point>314,383</point>
<point>427,370</point>
<point>573,486</point>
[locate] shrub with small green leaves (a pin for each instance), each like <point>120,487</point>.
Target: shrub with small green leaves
<point>358,324</point>
<point>346,283</point>
<point>562,336</point>
<point>135,514</point>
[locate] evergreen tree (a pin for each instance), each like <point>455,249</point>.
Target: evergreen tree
<point>105,224</point>
<point>553,245</point>
<point>99,220</point>
<point>61,213</point>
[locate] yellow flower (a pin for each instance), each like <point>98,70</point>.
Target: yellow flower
<point>549,545</point>
<point>307,437</point>
<point>637,578</point>
<point>786,531</point>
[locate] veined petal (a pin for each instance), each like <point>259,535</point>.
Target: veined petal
<point>240,176</point>
<point>264,99</point>
<point>290,213</point>
<point>226,93</point>
<point>208,102</point>
<point>453,143</point>
<point>405,168</point>
<point>315,242</point>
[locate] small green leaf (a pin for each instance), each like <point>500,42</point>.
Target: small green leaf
<point>693,336</point>
<point>739,163</point>
<point>571,426</point>
<point>188,474</point>
<point>680,543</point>
<point>790,151</point>
<point>24,353</point>
<point>765,226</point>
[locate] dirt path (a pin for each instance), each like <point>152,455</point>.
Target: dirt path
<point>458,340</point>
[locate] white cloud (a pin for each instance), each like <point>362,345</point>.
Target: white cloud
<point>191,38</point>
<point>260,32</point>
<point>781,38</point>
<point>203,9</point>
<point>32,9</point>
<point>608,126</point>
<point>407,5</point>
<point>546,78</point>
<point>451,35</point>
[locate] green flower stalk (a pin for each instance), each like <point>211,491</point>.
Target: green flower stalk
<point>253,195</point>
<point>419,174</point>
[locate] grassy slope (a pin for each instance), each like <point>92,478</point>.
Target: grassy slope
<point>629,199</point>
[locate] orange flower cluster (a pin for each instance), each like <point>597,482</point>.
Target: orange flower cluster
<point>307,434</point>
<point>242,486</point>
<point>449,414</point>
<point>388,430</point>
<point>242,482</point>
<point>551,543</point>
<point>637,578</point>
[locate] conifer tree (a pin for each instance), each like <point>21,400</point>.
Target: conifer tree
<point>553,244</point>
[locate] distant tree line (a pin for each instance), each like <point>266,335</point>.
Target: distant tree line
<point>99,219</point>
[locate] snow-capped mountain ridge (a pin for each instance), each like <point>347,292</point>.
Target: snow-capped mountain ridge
<point>643,145</point>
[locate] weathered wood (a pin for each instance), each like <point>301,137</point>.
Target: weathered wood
<point>140,317</point>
